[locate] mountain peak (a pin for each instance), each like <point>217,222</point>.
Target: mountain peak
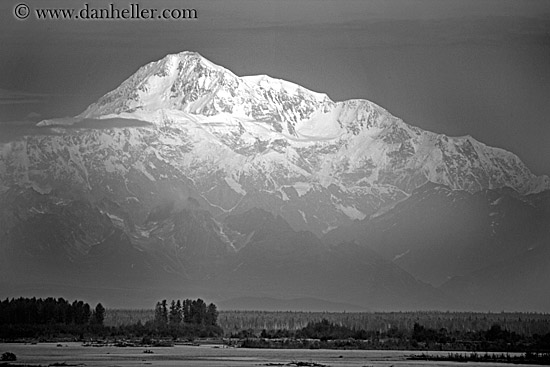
<point>252,116</point>
<point>192,58</point>
<point>173,82</point>
<point>261,133</point>
<point>190,83</point>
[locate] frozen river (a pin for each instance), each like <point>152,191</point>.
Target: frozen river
<point>213,356</point>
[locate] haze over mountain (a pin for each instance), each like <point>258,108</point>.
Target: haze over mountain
<point>247,186</point>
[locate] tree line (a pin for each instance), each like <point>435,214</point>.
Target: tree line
<point>182,319</point>
<point>326,334</point>
<point>186,312</point>
<point>525,358</point>
<point>53,318</point>
<point>37,317</point>
<point>527,324</point>
<point>523,323</point>
<point>49,311</point>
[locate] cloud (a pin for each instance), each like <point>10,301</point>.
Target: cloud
<point>10,97</point>
<point>33,116</point>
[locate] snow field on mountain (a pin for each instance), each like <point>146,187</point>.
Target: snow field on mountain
<point>248,140</point>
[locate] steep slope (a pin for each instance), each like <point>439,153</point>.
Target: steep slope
<point>73,245</point>
<point>439,233</point>
<point>68,242</point>
<point>520,283</point>
<point>517,282</point>
<point>188,82</point>
<point>276,260</point>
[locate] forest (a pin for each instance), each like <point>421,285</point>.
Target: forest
<point>255,321</point>
<point>521,323</point>
<point>58,319</point>
<point>327,335</point>
<point>191,320</point>
<point>34,318</point>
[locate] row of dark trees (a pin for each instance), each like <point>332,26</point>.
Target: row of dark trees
<point>183,319</point>
<point>526,358</point>
<point>527,324</point>
<point>332,335</point>
<point>53,318</point>
<point>33,311</point>
<point>186,312</point>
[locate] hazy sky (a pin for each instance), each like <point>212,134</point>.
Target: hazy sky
<point>456,67</point>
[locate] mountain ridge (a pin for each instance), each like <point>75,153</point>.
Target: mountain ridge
<point>186,192</point>
<point>315,148</point>
<point>189,83</point>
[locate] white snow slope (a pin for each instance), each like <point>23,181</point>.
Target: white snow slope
<point>242,142</point>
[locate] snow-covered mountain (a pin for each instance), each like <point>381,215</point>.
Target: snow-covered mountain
<point>189,83</point>
<point>183,144</point>
<point>261,142</point>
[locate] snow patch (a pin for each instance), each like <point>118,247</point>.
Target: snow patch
<point>398,256</point>
<point>113,216</point>
<point>140,167</point>
<point>328,229</point>
<point>496,201</point>
<point>303,215</point>
<point>302,187</point>
<point>37,211</point>
<point>284,195</point>
<point>351,212</point>
<point>41,190</point>
<point>235,186</point>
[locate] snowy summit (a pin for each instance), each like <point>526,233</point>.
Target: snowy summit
<point>256,141</point>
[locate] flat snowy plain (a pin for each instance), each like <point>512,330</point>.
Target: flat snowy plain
<point>74,354</point>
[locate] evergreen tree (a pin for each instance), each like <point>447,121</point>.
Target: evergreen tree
<point>175,313</point>
<point>211,315</point>
<point>159,315</point>
<point>164,312</point>
<point>180,311</point>
<point>198,312</point>
<point>98,316</point>
<point>186,309</point>
<point>86,313</point>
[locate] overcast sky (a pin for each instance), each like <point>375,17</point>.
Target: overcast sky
<point>455,67</point>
